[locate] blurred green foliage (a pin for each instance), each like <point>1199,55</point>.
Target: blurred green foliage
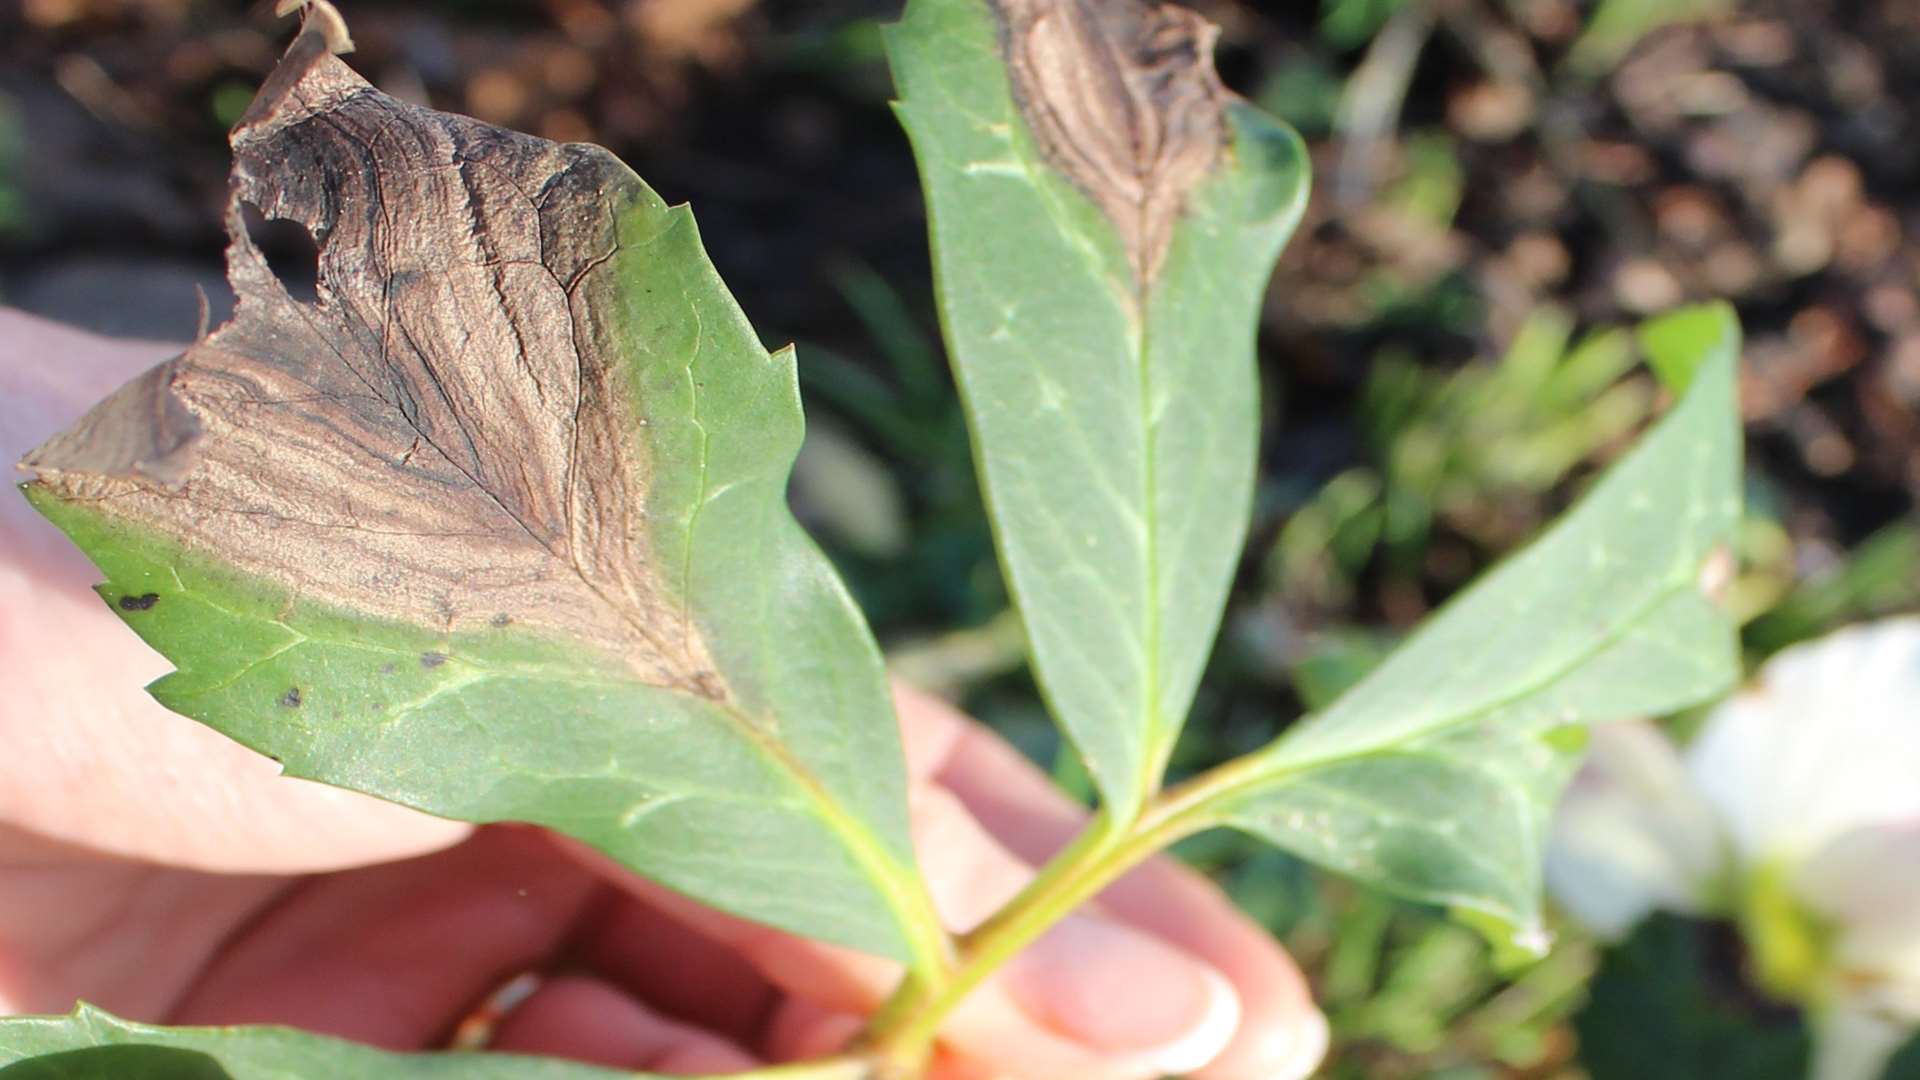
<point>1616,25</point>
<point>1304,93</point>
<point>228,101</point>
<point>1653,1014</point>
<point>1408,992</point>
<point>1348,24</point>
<point>13,151</point>
<point>1466,449</point>
<point>906,438</point>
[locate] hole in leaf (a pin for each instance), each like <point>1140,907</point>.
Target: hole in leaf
<point>290,251</point>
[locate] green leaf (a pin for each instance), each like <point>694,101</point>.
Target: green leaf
<point>1678,345</point>
<point>89,1044</point>
<point>496,526</point>
<point>1434,777</point>
<point>1616,26</point>
<point>1107,369</point>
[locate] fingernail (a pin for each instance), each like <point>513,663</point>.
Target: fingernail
<point>1126,995</point>
<point>1290,1051</point>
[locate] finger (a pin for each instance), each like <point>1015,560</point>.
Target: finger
<point>1093,999</point>
<point>801,1030</point>
<point>590,1020</point>
<point>394,955</point>
<point>931,732</point>
<point>679,973</point>
<point>126,936</point>
<point>51,375</point>
<point>1281,1034</point>
<point>833,977</point>
<point>54,372</point>
<point>1054,1012</point>
<point>92,750</point>
<point>1100,983</point>
<point>948,1065</point>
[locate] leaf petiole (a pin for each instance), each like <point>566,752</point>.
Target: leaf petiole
<point>902,1033</point>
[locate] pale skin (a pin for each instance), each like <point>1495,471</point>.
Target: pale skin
<point>156,869</point>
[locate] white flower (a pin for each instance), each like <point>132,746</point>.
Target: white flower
<point>1633,834</point>
<point>1795,810</point>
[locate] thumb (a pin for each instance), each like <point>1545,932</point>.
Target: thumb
<point>91,752</point>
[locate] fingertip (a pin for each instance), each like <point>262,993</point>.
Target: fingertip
<point>1007,808</point>
<point>1219,1019</point>
<point>1281,1034</point>
<point>1312,1038</point>
<point>834,976</point>
<point>967,871</point>
<point>1126,996</point>
<point>350,829</point>
<point>949,1065</point>
<point>699,1059</point>
<point>587,1019</point>
<point>931,730</point>
<point>1289,1051</point>
<point>801,1030</point>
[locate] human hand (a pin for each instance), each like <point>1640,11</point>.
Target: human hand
<point>165,873</point>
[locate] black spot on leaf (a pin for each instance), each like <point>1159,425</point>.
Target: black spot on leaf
<point>291,699</point>
<point>139,603</point>
<point>432,659</point>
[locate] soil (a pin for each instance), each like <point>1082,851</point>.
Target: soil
<point>1769,155</point>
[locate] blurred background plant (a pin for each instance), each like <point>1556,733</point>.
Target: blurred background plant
<point>1503,187</point>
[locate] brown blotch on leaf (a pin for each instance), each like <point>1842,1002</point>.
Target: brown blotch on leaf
<point>142,431</point>
<point>432,659</point>
<point>1122,98</point>
<point>443,433</point>
<point>142,602</point>
<point>291,699</point>
<point>1717,572</point>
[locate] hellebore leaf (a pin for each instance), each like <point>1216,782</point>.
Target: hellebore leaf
<point>1104,217</point>
<point>89,1044</point>
<point>494,525</point>
<point>1435,776</point>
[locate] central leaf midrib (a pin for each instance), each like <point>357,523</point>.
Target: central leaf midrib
<point>1132,303</point>
<point>905,898</point>
<point>1152,755</point>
